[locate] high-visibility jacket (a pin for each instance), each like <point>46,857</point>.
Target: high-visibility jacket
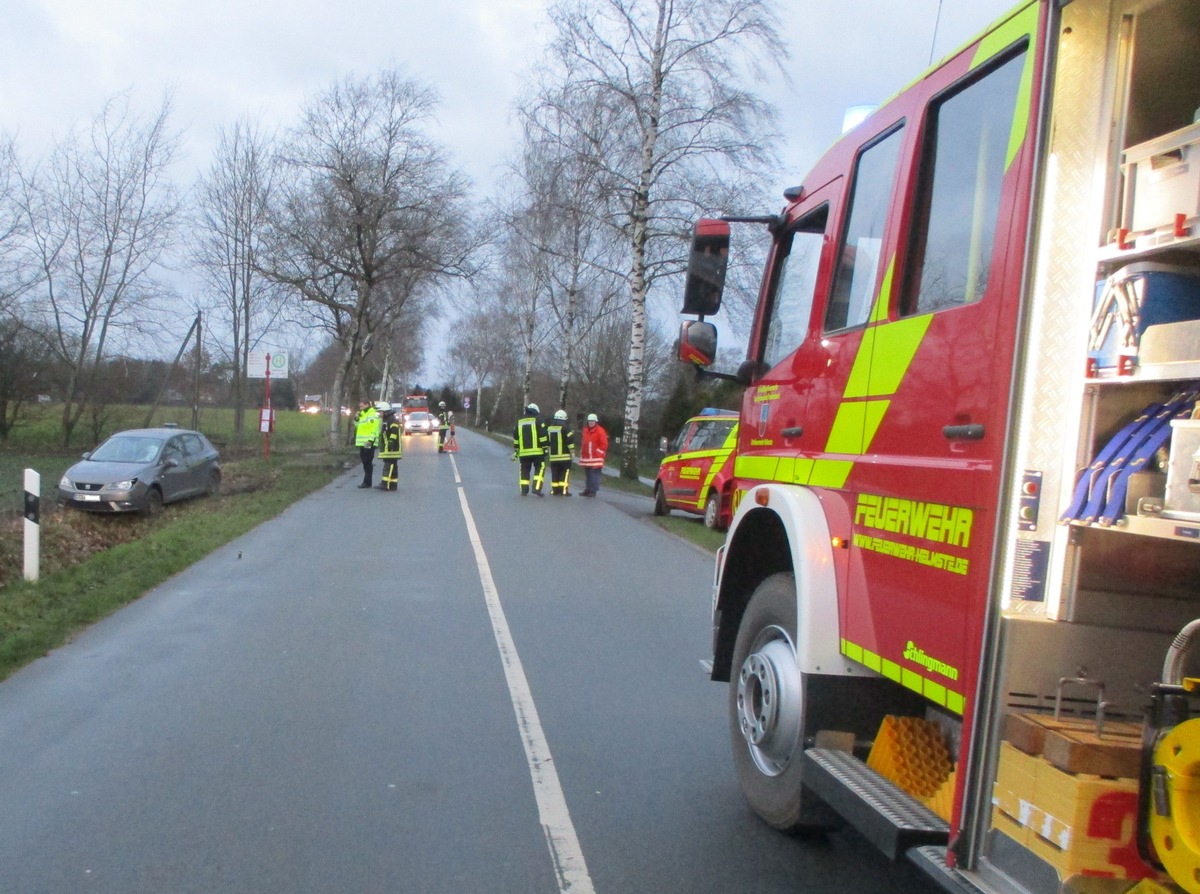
<point>366,428</point>
<point>529,436</point>
<point>390,440</point>
<point>561,441</point>
<point>445,419</point>
<point>593,446</point>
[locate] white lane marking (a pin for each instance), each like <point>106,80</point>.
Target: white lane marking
<point>565,851</point>
<point>454,465</point>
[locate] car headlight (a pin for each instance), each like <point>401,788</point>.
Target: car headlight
<point>65,482</point>
<point>123,485</point>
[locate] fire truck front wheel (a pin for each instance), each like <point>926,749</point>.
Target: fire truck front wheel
<point>766,710</point>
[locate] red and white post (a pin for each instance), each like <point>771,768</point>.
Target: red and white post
<point>33,526</point>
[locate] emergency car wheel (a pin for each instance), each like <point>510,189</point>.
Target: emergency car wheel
<point>766,709</point>
<point>712,512</point>
<point>660,501</point>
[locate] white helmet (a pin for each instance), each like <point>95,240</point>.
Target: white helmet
<point>560,414</point>
<point>442,404</point>
<point>533,408</point>
<point>592,417</point>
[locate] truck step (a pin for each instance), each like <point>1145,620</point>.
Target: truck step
<point>891,819</point>
<point>931,860</point>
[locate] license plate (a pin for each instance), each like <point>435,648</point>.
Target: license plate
<point>88,498</point>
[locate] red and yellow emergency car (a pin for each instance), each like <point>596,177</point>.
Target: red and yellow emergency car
<point>696,475</point>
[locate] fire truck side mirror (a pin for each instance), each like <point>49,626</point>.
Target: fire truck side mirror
<point>706,268</point>
<point>698,343</point>
<point>662,445</point>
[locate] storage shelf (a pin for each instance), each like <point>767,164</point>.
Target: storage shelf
<point>1178,371</point>
<point>1147,245</point>
<point>1152,526</point>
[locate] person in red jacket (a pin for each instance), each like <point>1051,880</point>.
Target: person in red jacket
<point>592,448</point>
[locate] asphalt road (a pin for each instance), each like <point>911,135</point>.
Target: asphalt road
<point>449,688</point>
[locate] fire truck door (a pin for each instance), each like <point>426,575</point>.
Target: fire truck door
<point>775,423</point>
<point>924,386</point>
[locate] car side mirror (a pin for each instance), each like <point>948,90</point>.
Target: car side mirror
<point>170,462</point>
<point>86,455</point>
<point>662,445</point>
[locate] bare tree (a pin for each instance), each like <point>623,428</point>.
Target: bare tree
<point>482,349</point>
<point>232,203</point>
<point>101,214</point>
<point>15,275</point>
<point>681,136</point>
<point>371,215</point>
<point>522,285</point>
<point>566,186</point>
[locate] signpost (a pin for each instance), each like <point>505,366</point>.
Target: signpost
<point>263,365</point>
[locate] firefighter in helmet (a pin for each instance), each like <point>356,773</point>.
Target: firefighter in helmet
<point>529,448</point>
<point>390,449</point>
<point>445,421</point>
<point>560,438</point>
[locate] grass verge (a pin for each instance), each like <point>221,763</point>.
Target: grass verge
<point>100,563</point>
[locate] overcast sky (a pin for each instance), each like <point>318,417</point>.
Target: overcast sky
<point>61,59</point>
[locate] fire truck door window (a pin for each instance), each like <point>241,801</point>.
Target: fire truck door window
<point>959,198</point>
<point>858,256</point>
<point>795,283</point>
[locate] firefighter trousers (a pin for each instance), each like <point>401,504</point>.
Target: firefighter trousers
<point>560,477</point>
<point>391,477</point>
<point>532,473</point>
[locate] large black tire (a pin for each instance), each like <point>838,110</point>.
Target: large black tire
<point>153,505</point>
<point>660,501</point>
<point>767,704</point>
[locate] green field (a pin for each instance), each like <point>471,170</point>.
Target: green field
<point>36,443</point>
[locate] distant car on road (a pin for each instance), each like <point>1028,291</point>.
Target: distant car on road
<point>141,469</point>
<point>419,423</point>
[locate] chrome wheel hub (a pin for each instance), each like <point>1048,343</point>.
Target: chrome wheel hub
<point>769,701</point>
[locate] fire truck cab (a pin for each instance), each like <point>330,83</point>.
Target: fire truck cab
<point>955,602</point>
<point>414,403</point>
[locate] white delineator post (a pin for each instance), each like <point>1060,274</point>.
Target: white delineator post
<point>33,528</point>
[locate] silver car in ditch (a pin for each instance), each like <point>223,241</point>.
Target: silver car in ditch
<point>141,469</point>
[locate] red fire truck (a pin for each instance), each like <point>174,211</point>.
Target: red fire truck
<point>955,601</point>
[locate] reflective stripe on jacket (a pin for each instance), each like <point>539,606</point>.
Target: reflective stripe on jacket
<point>529,437</point>
<point>561,440</point>
<point>390,446</point>
<point>366,428</point>
<point>593,446</point>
